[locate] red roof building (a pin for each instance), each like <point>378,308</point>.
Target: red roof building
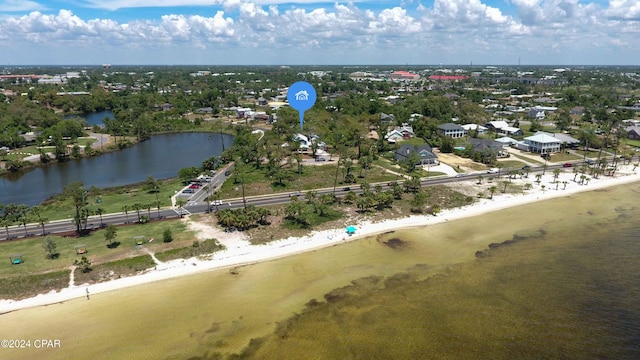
<point>448,77</point>
<point>403,75</point>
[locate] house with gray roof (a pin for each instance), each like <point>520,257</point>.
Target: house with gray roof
<point>453,130</point>
<point>633,132</point>
<point>425,153</point>
<point>485,146</point>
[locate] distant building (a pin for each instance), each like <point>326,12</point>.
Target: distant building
<point>404,75</point>
<point>448,77</point>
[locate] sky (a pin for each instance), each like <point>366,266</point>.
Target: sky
<point>312,32</point>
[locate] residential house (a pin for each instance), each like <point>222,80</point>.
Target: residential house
<point>204,110</point>
<point>164,107</point>
<point>565,140</point>
<point>535,114</point>
<point>577,110</point>
<point>453,130</point>
<point>633,132</point>
<point>488,146</point>
<point>502,127</point>
<point>305,143</point>
<point>542,144</point>
<point>400,133</point>
<point>425,154</point>
<point>242,113</point>
<point>387,117</point>
<point>507,141</point>
<point>475,127</point>
<point>373,135</point>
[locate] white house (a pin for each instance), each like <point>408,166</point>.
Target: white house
<point>475,127</point>
<point>403,132</point>
<point>305,143</point>
<point>543,144</point>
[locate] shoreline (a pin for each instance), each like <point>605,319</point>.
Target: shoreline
<point>239,252</point>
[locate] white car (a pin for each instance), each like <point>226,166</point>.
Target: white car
<point>492,171</point>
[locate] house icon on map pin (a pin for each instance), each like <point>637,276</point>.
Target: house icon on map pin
<point>302,95</point>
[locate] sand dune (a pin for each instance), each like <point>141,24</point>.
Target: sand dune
<point>239,251</point>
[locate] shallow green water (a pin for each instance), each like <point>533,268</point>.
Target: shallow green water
<point>567,288</point>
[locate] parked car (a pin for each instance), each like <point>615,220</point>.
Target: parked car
<point>321,159</point>
<point>590,162</point>
<point>567,165</point>
<point>492,171</point>
<point>526,168</point>
<point>297,193</point>
<point>188,191</point>
<point>346,189</point>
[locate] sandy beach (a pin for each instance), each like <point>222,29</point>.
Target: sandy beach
<point>239,251</point>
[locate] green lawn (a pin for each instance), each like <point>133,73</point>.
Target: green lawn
<point>561,157</point>
<point>527,159</point>
<point>511,165</point>
<point>35,261</point>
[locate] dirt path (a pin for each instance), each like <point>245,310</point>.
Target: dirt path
<point>153,256</point>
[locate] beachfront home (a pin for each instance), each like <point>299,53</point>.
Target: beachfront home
<point>542,144</point>
<point>566,140</point>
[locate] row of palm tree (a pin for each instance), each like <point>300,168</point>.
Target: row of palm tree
<point>137,207</point>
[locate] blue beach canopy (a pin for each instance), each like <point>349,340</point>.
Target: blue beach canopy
<point>351,229</point>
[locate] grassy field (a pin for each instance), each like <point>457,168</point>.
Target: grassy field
<point>561,157</point>
<point>257,182</point>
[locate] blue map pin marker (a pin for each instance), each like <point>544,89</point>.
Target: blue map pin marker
<point>301,96</point>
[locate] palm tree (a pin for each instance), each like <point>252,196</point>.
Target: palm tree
<point>480,179</point>
<point>137,207</point>
<point>100,211</point>
<point>24,217</point>
<point>180,203</point>
<point>505,183</point>
<point>492,190</point>
<point>556,173</point>
<point>5,223</point>
<point>126,209</point>
<point>37,210</point>
<point>564,183</point>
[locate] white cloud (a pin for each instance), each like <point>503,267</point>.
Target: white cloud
<point>344,32</point>
<point>624,10</point>
<point>124,4</point>
<point>20,5</point>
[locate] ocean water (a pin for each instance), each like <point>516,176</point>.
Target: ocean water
<point>558,279</point>
<point>564,285</point>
